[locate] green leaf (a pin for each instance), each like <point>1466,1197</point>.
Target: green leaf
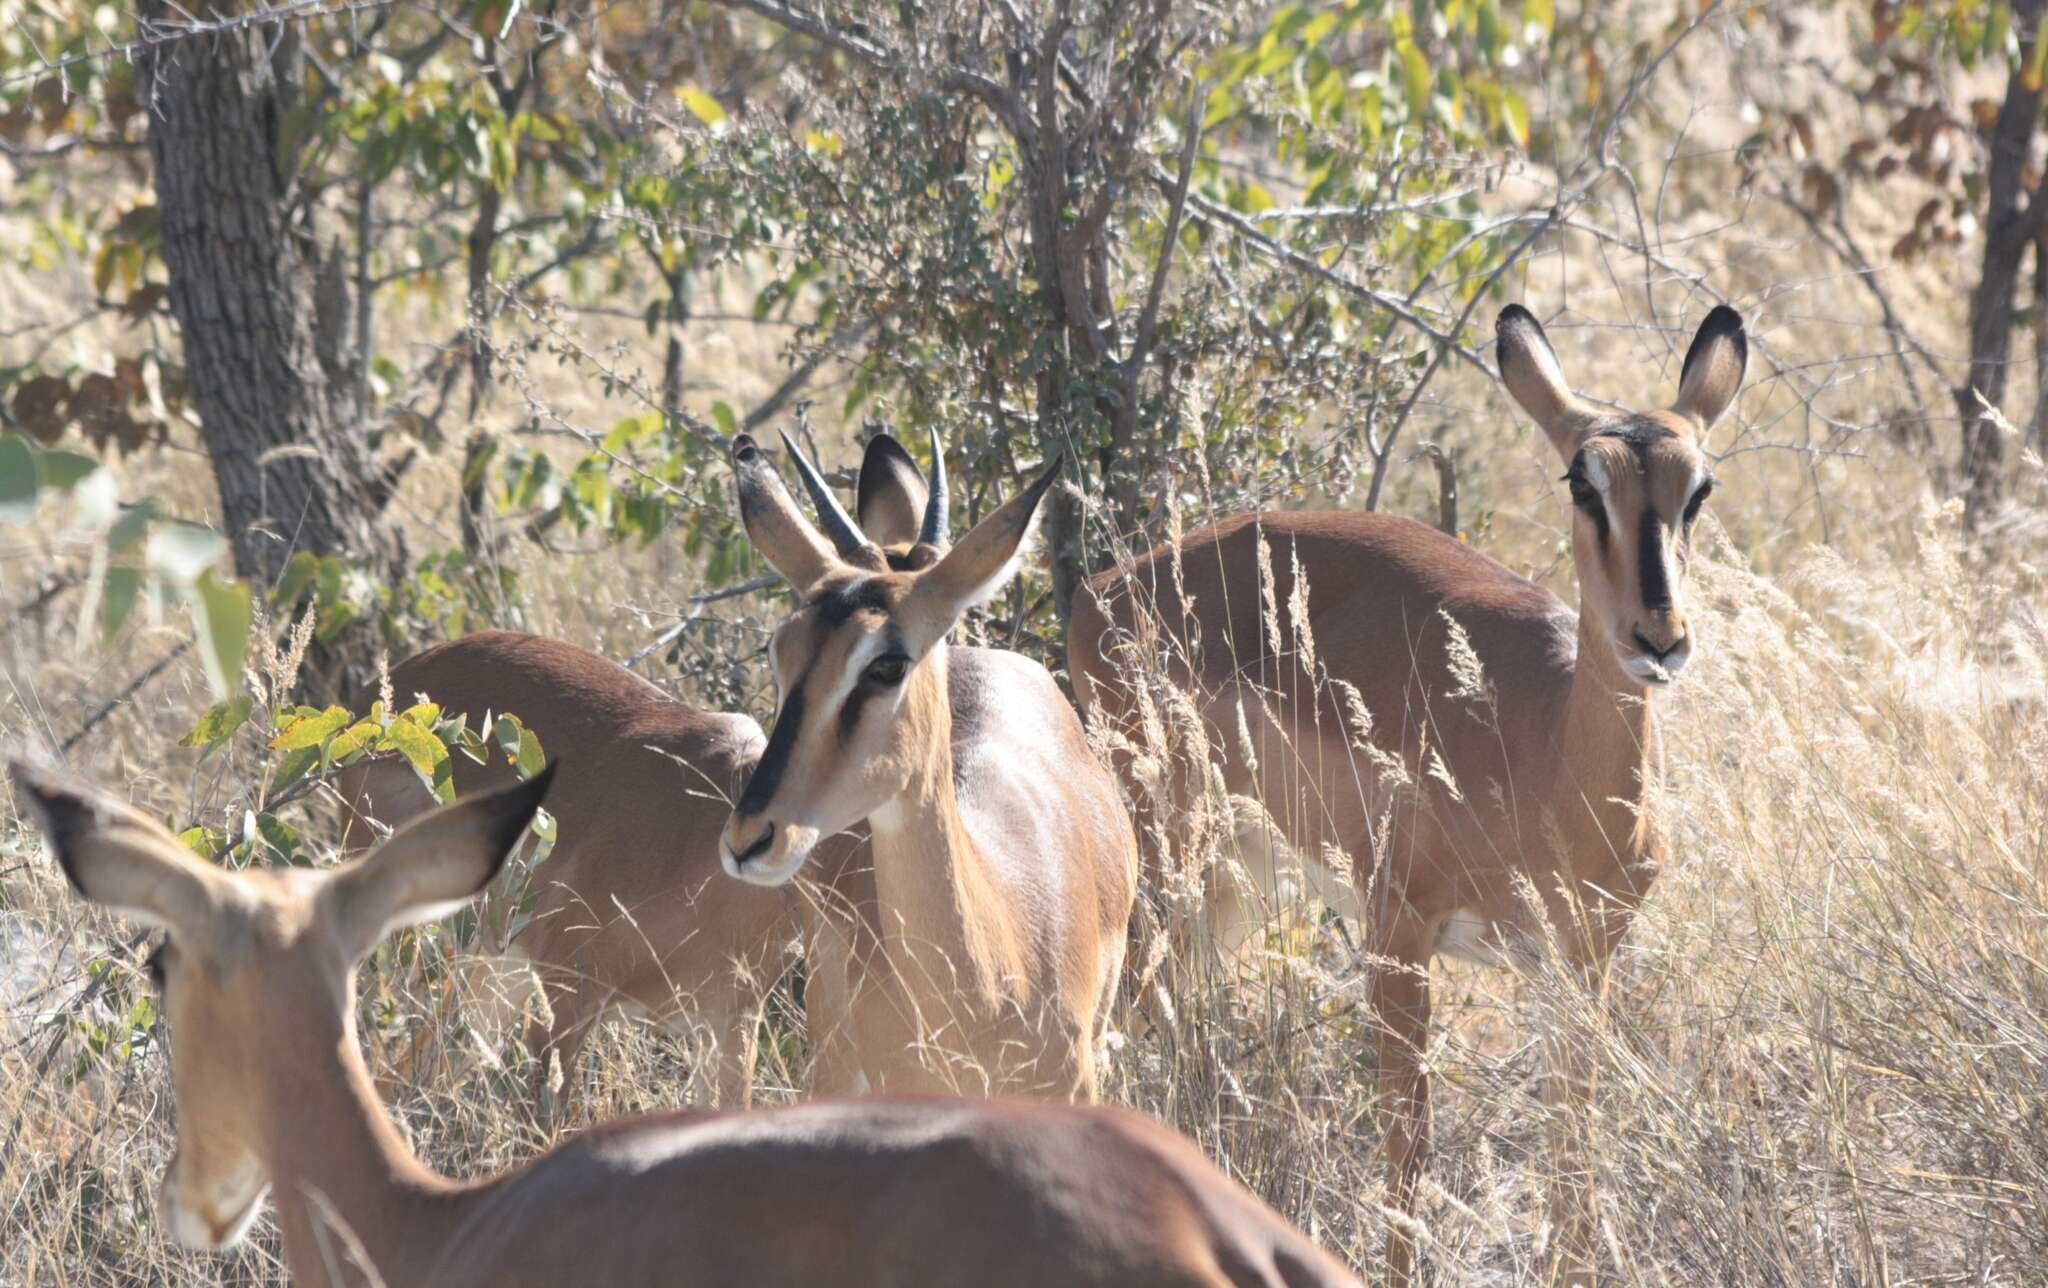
<point>219,722</point>
<point>130,529</point>
<point>63,470</point>
<point>292,766</point>
<point>299,572</point>
<point>1414,79</point>
<point>17,480</point>
<point>728,422</point>
<point>519,744</point>
<point>220,611</point>
<point>117,600</point>
<point>702,106</point>
<point>280,836</point>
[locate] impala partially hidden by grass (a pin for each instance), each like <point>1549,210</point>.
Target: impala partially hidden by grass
<point>257,979</point>
<point>1390,694</point>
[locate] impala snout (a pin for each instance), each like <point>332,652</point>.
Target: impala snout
<point>763,852</point>
<point>1658,648</point>
<point>211,1213</point>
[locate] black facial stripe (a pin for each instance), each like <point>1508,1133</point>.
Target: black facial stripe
<point>841,602</point>
<point>856,701</point>
<point>1640,433</point>
<point>1587,499</point>
<point>766,779</point>
<point>1650,563</point>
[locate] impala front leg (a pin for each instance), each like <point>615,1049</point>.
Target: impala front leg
<point>1570,1078</point>
<point>1400,995</point>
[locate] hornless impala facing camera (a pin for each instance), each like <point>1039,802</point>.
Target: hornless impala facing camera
<point>1004,863</point>
<point>630,909</point>
<point>257,974</point>
<point>1542,778</point>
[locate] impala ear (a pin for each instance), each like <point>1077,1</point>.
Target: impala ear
<point>1714,366</point>
<point>891,496</point>
<point>773,523</point>
<point>118,857</point>
<point>972,571</point>
<point>1533,375</point>
<point>433,865</point>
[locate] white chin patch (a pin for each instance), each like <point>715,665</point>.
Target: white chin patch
<point>1643,671</point>
<point>777,867</point>
<point>228,1213</point>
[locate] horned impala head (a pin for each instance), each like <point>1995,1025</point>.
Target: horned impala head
<point>1638,482</point>
<point>256,969</point>
<point>861,695</point>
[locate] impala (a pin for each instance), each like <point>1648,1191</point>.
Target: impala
<point>630,910</point>
<point>1540,777</point>
<point>1004,863</point>
<point>257,977</point>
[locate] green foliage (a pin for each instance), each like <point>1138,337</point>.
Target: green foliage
<point>882,213</point>
<point>139,556</point>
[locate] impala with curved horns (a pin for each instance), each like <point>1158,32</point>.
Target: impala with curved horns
<point>257,977</point>
<point>1004,864</point>
<point>1540,774</point>
<point>630,909</point>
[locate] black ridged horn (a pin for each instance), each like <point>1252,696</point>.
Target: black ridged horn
<point>832,517</point>
<point>934,533</point>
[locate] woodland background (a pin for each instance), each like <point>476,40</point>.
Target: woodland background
<point>511,273</point>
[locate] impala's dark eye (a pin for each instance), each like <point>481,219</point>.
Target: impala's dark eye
<point>888,670</point>
<point>1699,498</point>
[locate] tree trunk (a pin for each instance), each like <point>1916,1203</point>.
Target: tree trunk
<point>290,456</point>
<point>2010,223</point>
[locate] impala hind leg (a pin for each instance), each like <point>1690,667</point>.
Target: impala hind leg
<point>1400,995</point>
<point>723,1032</point>
<point>555,1038</point>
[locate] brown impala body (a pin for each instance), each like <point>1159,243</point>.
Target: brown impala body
<point>1542,775</point>
<point>631,909</point>
<point>1004,865</point>
<point>272,1095</point>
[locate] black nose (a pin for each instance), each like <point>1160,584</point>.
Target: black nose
<point>757,848</point>
<point>1656,654</point>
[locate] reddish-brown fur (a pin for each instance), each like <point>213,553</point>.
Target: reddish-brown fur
<point>1541,780</point>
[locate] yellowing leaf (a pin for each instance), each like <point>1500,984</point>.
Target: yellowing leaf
<point>702,106</point>
<point>424,752</point>
<point>219,722</point>
<point>311,731</point>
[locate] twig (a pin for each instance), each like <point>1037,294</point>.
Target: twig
<point>697,603</point>
<point>52,588</point>
<point>1446,484</point>
<point>133,687</point>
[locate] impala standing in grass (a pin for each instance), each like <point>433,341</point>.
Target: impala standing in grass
<point>630,908</point>
<point>1004,864</point>
<point>1533,770</point>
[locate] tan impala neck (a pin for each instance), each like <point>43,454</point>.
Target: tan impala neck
<point>932,881</point>
<point>346,1187</point>
<point>1609,771</point>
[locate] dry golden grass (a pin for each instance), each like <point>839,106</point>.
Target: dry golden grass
<point>1826,1058</point>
